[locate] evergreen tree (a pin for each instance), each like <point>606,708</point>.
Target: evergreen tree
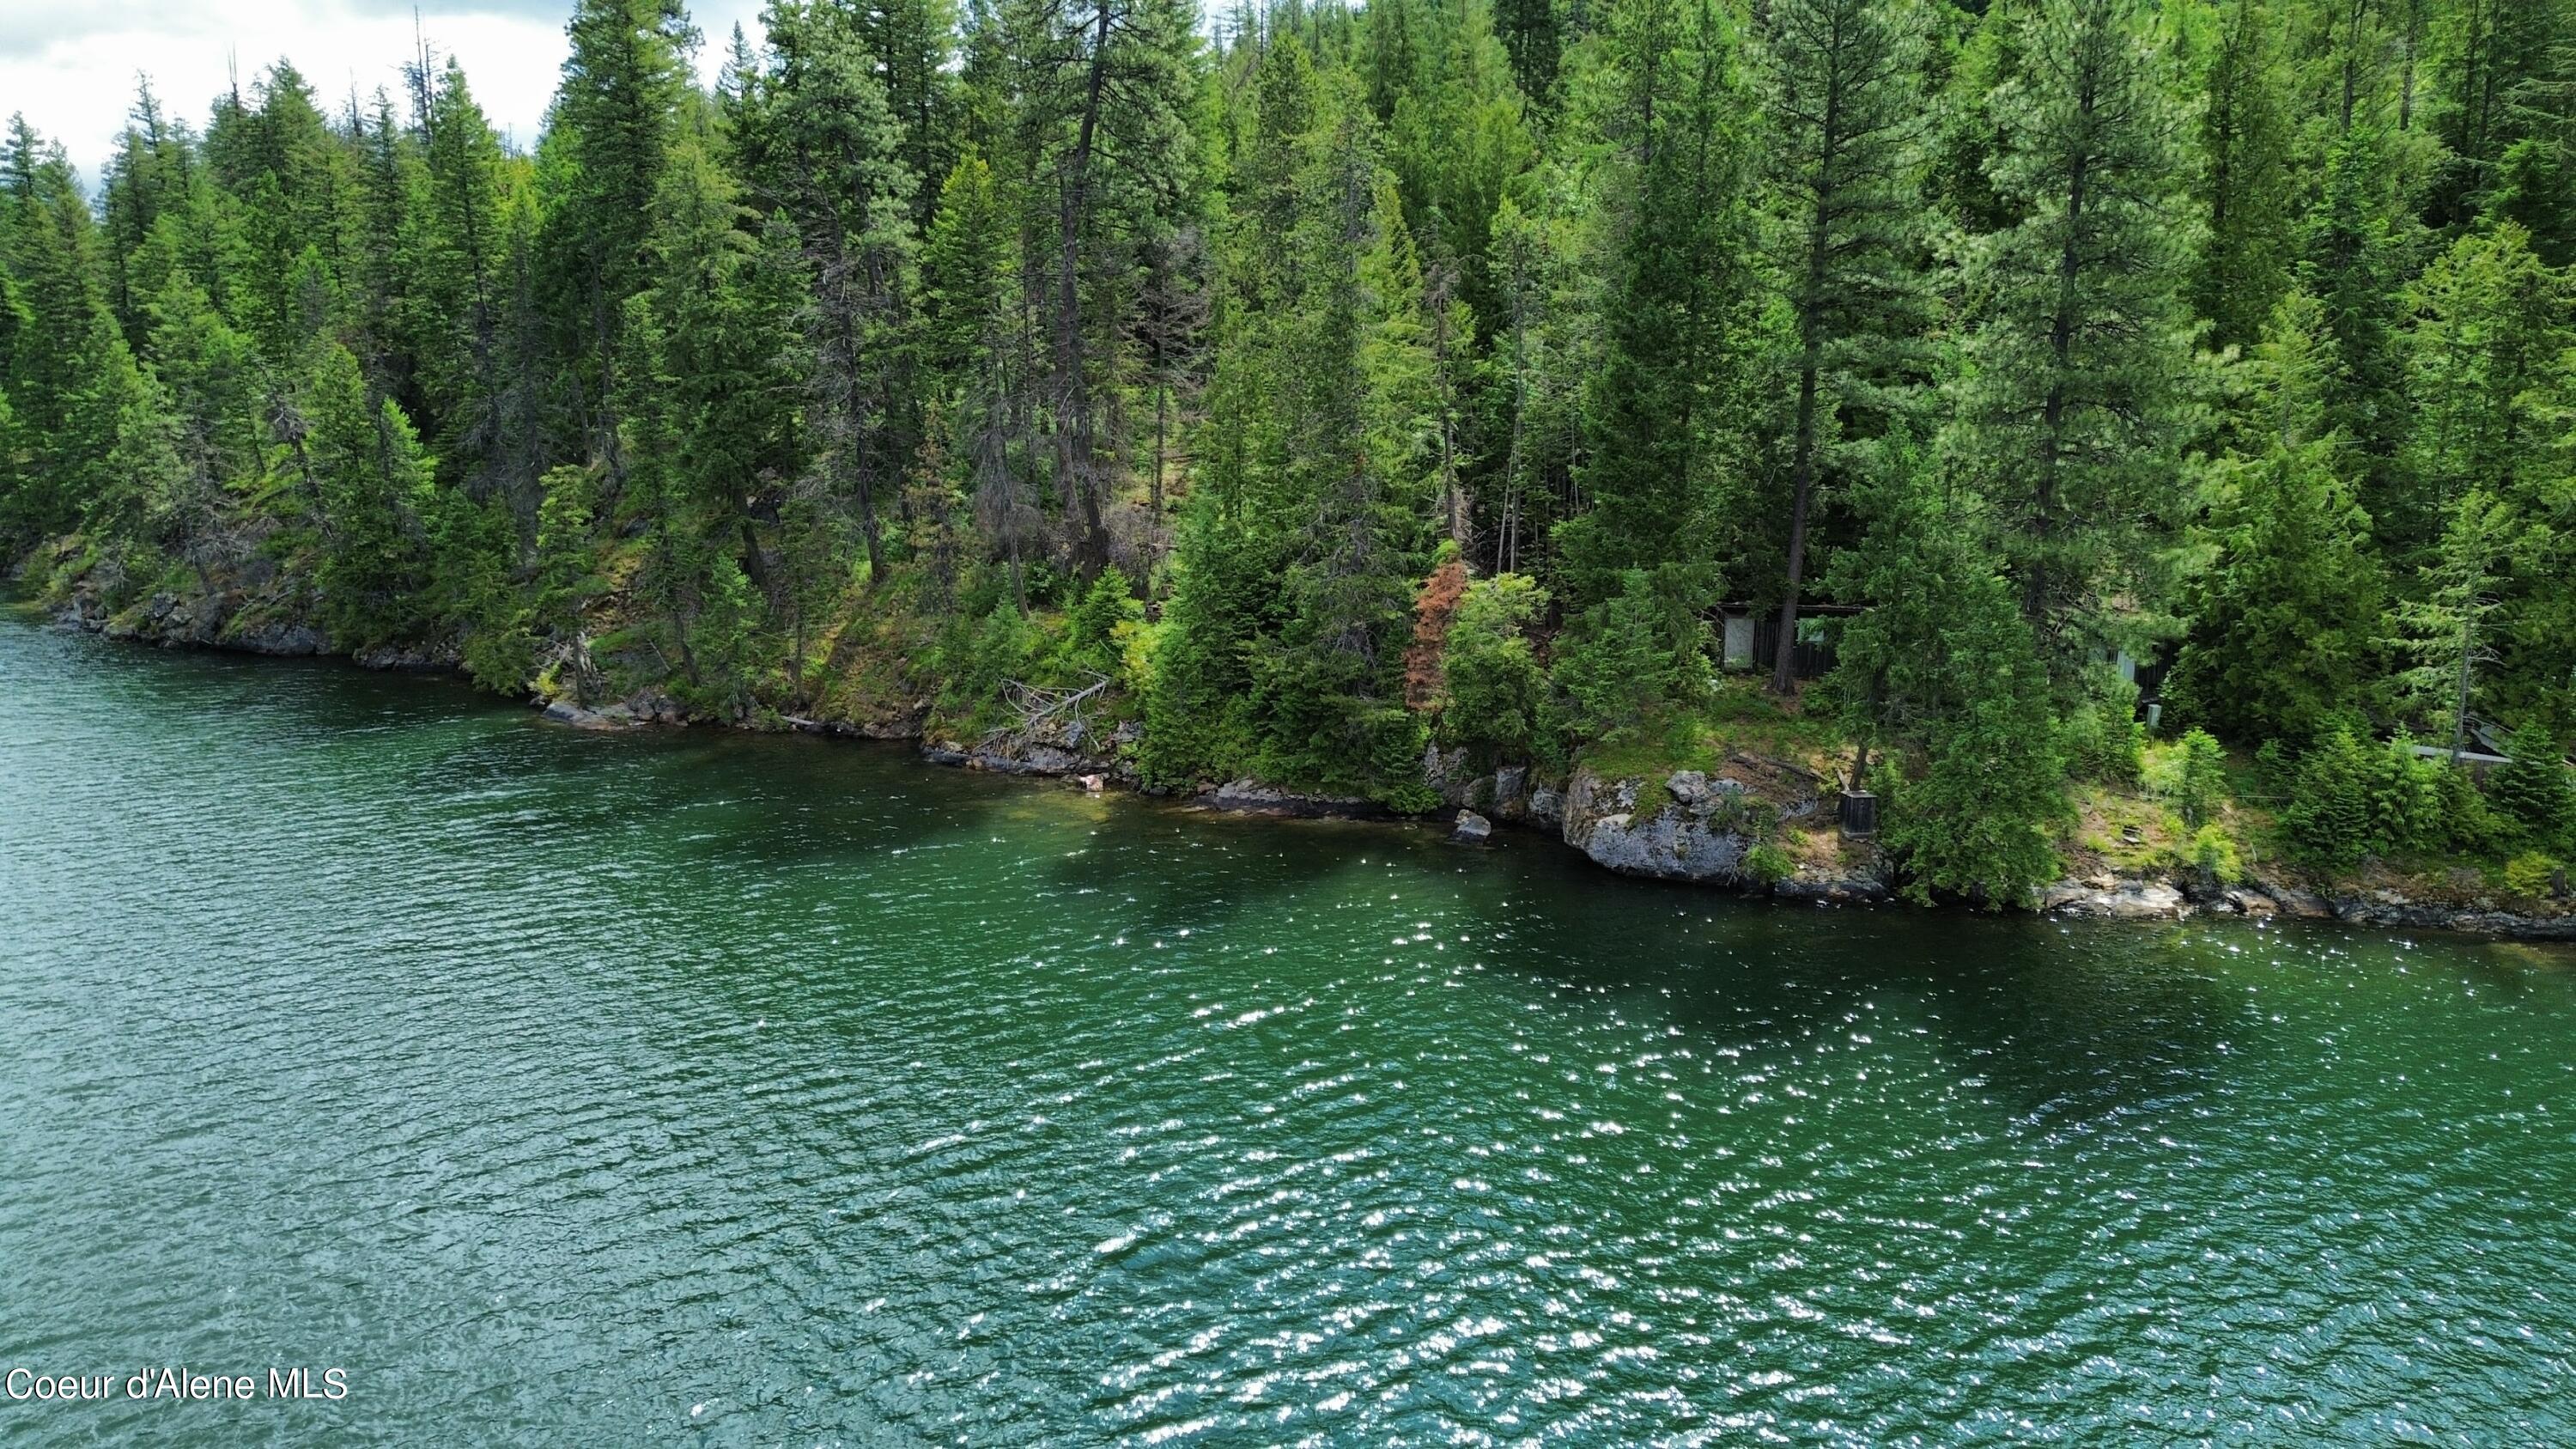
<point>1532,35</point>
<point>717,385</point>
<point>1841,84</point>
<point>1663,421</point>
<point>2247,187</point>
<point>2448,629</point>
<point>1943,670</point>
<point>374,489</point>
<point>2286,637</point>
<point>1329,689</point>
<point>460,247</point>
<point>2070,403</point>
<point>2533,790</point>
<point>2486,370</point>
<point>835,147</point>
<point>294,186</point>
<point>608,141</point>
<point>2490,60</point>
<point>971,333</point>
<point>2353,267</point>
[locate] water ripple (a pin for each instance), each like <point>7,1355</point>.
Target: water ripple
<point>614,1089</point>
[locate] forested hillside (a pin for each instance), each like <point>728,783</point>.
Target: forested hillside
<point>1340,381</point>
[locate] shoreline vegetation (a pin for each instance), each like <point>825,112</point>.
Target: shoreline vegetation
<point>1697,831</point>
<point>2124,447</point>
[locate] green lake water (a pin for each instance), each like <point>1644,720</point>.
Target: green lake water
<point>696,1087</point>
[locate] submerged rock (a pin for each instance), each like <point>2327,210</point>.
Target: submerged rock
<point>565,712</point>
<point>404,658</point>
<point>1255,797</point>
<point>1836,890</point>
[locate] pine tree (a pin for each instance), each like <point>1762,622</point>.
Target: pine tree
<point>2486,370</point>
<point>374,488</point>
<point>2489,58</point>
<point>2534,791</point>
<point>1943,670</point>
<point>834,149</point>
<point>2247,188</point>
<point>1663,420</point>
<point>971,320</point>
<point>215,380</point>
<point>460,244</point>
<point>2071,403</point>
<point>1532,35</point>
<point>1109,84</point>
<point>1841,84</point>
<point>1329,688</point>
<point>2448,630</point>
<point>294,186</point>
<point>615,120</point>
<point>2288,614</point>
<point>718,381</point>
<point>2353,267</point>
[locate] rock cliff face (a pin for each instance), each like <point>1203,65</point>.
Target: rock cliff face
<point>1700,831</point>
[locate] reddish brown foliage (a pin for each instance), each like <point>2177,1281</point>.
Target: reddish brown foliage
<point>1432,611</point>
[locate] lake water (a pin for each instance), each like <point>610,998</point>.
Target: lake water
<point>697,1087</point>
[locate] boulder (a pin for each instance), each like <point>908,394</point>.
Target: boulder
<point>2248,902</point>
<point>2292,901</point>
<point>277,636</point>
<point>1666,846</point>
<point>565,712</point>
<point>1471,828</point>
<point>1254,797</point>
<point>1835,890</point>
<point>1547,808</point>
<point>655,707</point>
<point>2133,900</point>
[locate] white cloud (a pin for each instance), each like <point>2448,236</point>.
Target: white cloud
<point>71,65</point>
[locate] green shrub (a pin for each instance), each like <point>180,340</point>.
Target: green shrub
<point>2350,800</point>
<point>2327,818</point>
<point>2468,826</point>
<point>1625,659</point>
<point>1768,864</point>
<point>2102,738</point>
<point>2274,769</point>
<point>2191,772</point>
<point>1494,688</point>
<point>2213,852</point>
<point>1224,595</point>
<point>975,656</point>
<point>2532,875</point>
<point>2406,800</point>
<point>1091,628</point>
<point>2532,793</point>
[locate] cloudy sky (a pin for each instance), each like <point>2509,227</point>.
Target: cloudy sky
<point>71,64</point>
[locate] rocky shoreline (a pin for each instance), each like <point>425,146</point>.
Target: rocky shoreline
<point>1689,828</point>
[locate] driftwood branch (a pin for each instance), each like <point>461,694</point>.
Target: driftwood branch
<point>1036,705</point>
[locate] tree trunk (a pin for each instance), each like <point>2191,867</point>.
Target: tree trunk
<point>1074,451</point>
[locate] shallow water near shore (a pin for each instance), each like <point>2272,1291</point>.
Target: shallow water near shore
<point>697,1086</point>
